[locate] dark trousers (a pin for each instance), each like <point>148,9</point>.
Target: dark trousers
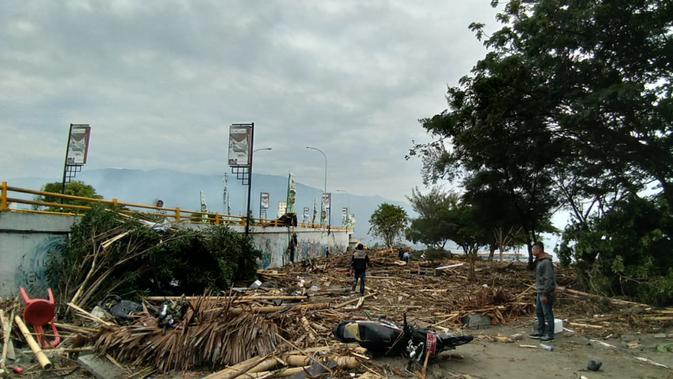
<point>545,314</point>
<point>360,275</point>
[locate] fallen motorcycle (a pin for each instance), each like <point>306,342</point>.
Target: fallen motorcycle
<point>385,337</point>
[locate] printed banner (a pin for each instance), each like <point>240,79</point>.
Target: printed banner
<point>78,144</point>
<point>291,193</point>
<point>264,200</point>
<point>324,207</point>
<point>240,145</point>
<point>282,207</point>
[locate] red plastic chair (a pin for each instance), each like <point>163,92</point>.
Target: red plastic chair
<point>40,312</point>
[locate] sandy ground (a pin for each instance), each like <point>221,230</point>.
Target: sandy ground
<point>572,352</point>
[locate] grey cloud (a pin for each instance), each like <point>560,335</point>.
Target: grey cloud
<point>160,81</point>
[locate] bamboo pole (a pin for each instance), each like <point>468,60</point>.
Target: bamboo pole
<point>282,373</point>
<point>237,369</point>
<point>39,354</point>
<point>6,329</point>
<point>272,308</point>
<point>224,298</point>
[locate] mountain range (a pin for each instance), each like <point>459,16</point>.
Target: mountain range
<point>180,189</point>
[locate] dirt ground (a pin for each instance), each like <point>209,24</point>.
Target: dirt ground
<point>572,352</point>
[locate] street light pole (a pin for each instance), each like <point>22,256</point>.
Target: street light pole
<point>348,205</point>
<point>329,222</point>
<point>247,212</point>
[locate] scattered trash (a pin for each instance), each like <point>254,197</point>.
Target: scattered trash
<point>440,268</point>
<point>633,345</point>
<point>646,360</point>
<point>604,344</point>
<point>558,326</point>
<point>16,369</point>
<point>594,365</point>
<point>476,321</point>
<point>265,330</point>
<point>314,288</point>
<point>121,310</point>
<point>256,284</point>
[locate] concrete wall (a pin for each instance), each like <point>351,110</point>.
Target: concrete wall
<point>26,240</point>
<point>274,243</point>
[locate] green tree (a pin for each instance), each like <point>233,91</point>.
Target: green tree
<point>388,222</point>
<point>73,188</point>
<point>466,233</point>
<point>431,227</point>
<point>571,106</point>
<point>626,251</point>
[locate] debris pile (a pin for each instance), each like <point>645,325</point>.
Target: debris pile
<point>282,325</point>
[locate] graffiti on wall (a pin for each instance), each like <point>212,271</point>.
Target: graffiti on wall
<point>31,272</point>
<point>266,255</point>
<point>310,249</point>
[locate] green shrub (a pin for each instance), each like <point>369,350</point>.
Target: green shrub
<point>144,261</point>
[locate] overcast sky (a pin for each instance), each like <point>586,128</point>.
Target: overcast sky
<point>160,82</point>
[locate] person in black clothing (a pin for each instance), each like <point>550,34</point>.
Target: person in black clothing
<point>359,264</point>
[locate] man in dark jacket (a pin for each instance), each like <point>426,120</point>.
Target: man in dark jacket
<point>545,284</point>
<point>359,264</point>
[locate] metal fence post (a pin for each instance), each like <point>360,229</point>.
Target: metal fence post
<point>3,197</point>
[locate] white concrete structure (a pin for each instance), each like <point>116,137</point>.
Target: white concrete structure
<point>26,240</point>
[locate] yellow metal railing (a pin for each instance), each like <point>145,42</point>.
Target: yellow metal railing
<point>135,209</point>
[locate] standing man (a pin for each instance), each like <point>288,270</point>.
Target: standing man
<point>545,284</point>
<point>359,265</point>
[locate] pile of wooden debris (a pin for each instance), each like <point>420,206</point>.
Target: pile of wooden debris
<point>283,326</point>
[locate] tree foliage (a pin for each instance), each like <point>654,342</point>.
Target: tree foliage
<point>388,222</point>
<point>466,232</point>
<point>571,107</point>
<point>626,251</point>
<point>431,227</point>
<point>141,260</point>
<point>73,188</point>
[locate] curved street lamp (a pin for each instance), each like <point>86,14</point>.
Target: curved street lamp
<point>325,188</point>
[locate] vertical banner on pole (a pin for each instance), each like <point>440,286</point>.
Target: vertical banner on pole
<point>78,144</point>
<point>264,200</point>
<point>291,194</point>
<point>344,216</point>
<point>282,208</point>
<point>307,211</point>
<point>240,145</point>
<point>315,212</point>
<point>76,152</point>
<point>325,207</point>
<point>241,141</point>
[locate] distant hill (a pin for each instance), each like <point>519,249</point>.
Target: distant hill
<point>179,189</point>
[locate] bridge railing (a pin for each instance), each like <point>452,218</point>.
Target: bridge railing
<point>37,205</point>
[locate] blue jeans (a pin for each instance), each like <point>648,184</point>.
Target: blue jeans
<point>360,275</point>
<point>545,314</point>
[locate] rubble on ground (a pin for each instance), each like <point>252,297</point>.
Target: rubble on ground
<point>283,327</point>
